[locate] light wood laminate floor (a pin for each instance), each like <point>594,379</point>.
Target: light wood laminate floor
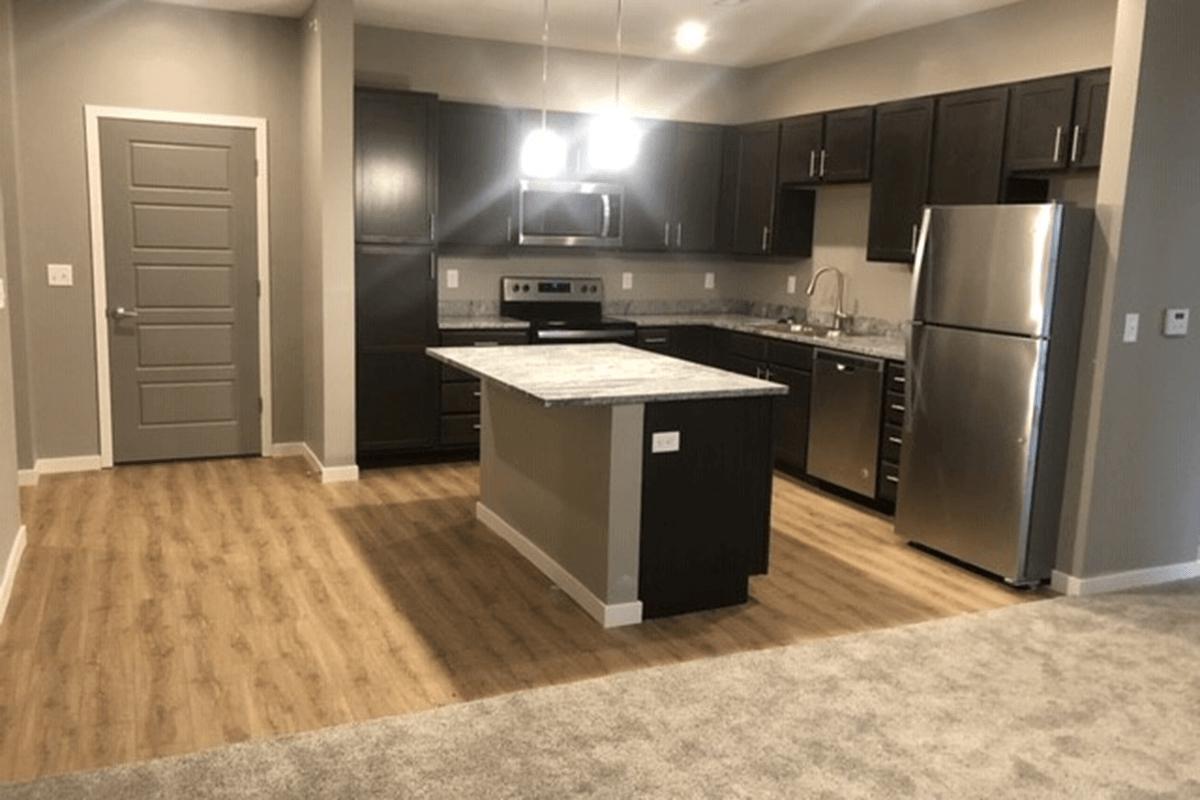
<point>166,608</point>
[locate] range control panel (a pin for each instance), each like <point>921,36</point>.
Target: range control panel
<point>551,290</point>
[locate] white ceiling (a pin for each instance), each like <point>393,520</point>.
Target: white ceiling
<point>751,33</point>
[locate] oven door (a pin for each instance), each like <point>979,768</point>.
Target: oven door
<point>570,214</point>
<point>584,335</point>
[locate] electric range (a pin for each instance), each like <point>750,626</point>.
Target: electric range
<point>563,310</point>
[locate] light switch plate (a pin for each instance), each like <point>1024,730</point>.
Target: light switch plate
<point>664,442</point>
<point>791,286</point>
<point>1176,322</point>
<point>451,279</point>
<point>626,280</point>
<point>60,274</point>
<point>710,280</point>
<point>1131,329</point>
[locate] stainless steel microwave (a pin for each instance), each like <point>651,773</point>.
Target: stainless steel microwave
<point>570,213</point>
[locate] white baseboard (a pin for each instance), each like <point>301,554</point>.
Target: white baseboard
<point>51,466</point>
<point>10,571</point>
<point>328,474</point>
<point>610,616</point>
<point>1069,585</point>
<point>286,449</point>
<point>27,477</point>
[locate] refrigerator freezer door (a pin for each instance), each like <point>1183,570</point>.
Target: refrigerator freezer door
<point>988,267</point>
<point>967,464</point>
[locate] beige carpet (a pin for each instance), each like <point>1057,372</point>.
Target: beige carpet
<point>1090,698</point>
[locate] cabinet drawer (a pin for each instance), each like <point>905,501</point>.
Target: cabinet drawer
<point>892,440</point>
<point>747,346</point>
<point>656,339</point>
<point>479,338</point>
<point>893,408</point>
<point>889,482</point>
<point>796,356</point>
<point>460,429</point>
<point>896,377</point>
<point>460,398</point>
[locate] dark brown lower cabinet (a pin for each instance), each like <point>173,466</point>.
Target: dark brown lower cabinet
<point>458,429</point>
<point>706,509</point>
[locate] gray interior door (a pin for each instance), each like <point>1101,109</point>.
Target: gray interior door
<point>966,471</point>
<point>182,273</point>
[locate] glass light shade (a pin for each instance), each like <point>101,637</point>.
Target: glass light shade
<point>544,154</point>
<point>691,36</point>
<point>613,142</point>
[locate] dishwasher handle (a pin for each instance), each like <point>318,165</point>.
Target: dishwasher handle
<point>848,363</point>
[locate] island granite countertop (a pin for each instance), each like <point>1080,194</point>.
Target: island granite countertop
<point>600,374</point>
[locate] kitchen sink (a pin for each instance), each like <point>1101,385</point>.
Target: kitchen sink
<point>804,329</point>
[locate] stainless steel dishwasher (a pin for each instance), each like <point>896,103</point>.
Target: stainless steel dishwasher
<point>844,423</point>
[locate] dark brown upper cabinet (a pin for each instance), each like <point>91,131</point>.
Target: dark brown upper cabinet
<point>1091,105</point>
<point>801,149</point>
<point>395,166</point>
<point>827,148</point>
<point>968,147</point>
<point>477,175</point>
<point>698,168</point>
<point>1039,124</point>
<point>900,178</point>
<point>756,160</point>
<point>849,136</point>
<point>650,190</point>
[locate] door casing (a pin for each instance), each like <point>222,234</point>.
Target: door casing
<point>92,116</point>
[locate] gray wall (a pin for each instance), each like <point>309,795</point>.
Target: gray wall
<point>327,69</point>
<point>75,52</point>
<point>1137,442</point>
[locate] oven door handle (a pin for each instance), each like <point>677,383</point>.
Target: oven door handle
<point>574,335</point>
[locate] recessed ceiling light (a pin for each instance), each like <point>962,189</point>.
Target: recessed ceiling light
<point>691,36</point>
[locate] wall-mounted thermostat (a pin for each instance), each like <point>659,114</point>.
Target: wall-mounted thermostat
<point>1176,322</point>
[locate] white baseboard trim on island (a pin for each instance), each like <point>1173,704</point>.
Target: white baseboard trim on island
<point>343,474</point>
<point>27,477</point>
<point>53,466</point>
<point>1069,585</point>
<point>610,616</point>
<point>10,571</point>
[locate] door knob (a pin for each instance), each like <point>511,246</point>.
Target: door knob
<point>122,313</point>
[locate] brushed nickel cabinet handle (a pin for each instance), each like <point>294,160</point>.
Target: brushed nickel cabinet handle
<point>913,246</point>
<point>475,427</point>
<point>1058,132</point>
<point>679,234</point>
<point>656,340</point>
<point>895,440</point>
<point>895,407</point>
<point>765,237</point>
<point>891,478</point>
<point>1075,145</point>
<point>666,234</point>
<point>812,163</point>
<point>123,313</point>
<point>823,156</point>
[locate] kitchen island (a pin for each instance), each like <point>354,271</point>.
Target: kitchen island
<point>639,483</point>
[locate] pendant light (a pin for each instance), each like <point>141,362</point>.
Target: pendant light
<point>615,138</point>
<point>544,153</point>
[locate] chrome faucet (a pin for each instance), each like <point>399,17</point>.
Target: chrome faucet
<point>840,317</point>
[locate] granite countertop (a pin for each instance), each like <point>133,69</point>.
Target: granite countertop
<point>889,347</point>
<point>480,322</point>
<point>600,374</point>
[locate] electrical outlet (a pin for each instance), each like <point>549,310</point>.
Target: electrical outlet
<point>664,442</point>
<point>710,280</point>
<point>451,279</point>
<point>1176,322</point>
<point>1131,328</point>
<point>60,274</point>
<point>626,280</point>
<point>791,286</point>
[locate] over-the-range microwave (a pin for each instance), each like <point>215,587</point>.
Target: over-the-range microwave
<point>554,213</point>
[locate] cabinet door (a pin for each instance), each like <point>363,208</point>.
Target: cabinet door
<point>395,166</point>
<point>1039,124</point>
<point>900,179</point>
<point>648,190</point>
<point>396,319</point>
<point>1091,106</point>
<point>968,147</point>
<point>757,159</point>
<point>791,416</point>
<point>848,138</point>
<point>476,175</point>
<point>801,141</point>
<point>698,154</point>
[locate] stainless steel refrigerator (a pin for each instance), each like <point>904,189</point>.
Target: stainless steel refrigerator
<point>998,295</point>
